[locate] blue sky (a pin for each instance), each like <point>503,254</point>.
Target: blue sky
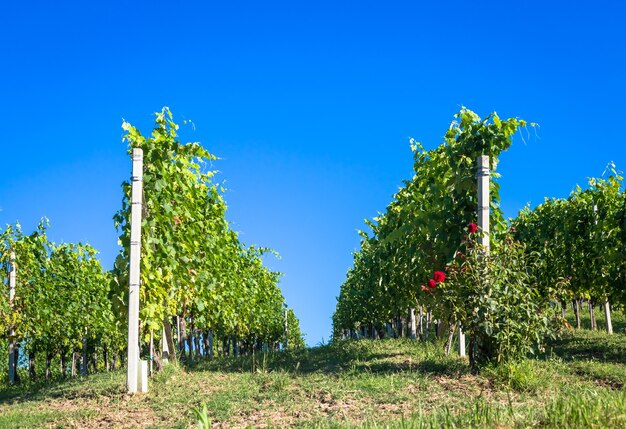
<point>309,105</point>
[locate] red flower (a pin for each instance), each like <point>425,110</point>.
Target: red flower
<point>439,276</point>
<point>512,229</point>
<point>432,283</point>
<point>472,228</point>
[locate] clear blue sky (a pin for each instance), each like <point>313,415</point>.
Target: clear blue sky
<point>310,105</point>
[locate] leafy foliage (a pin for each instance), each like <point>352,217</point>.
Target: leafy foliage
<point>425,230</point>
<point>581,239</point>
<point>193,264</point>
<point>498,302</point>
<point>62,295</point>
<point>425,223</point>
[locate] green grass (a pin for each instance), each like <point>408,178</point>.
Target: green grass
<point>578,382</point>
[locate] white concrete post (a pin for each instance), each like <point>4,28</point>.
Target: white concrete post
<point>165,348</point>
<point>412,324</point>
<point>607,316</point>
<point>286,343</point>
<point>134,274</point>
<point>483,200</point>
<point>606,305</point>
<point>142,376</point>
<point>12,281</point>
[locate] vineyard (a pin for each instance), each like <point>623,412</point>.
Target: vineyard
<point>450,316</point>
<point>203,292</point>
<point>427,264</point>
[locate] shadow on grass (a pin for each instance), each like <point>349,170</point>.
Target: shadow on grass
<point>351,356</point>
<point>106,384</point>
<point>346,357</point>
<point>385,357</point>
<point>589,345</point>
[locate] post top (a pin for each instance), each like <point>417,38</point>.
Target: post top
<point>137,153</point>
<point>483,160</point>
<point>483,166</point>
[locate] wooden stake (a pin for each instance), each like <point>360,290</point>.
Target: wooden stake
<point>420,322</point>
<point>592,316</point>
<point>134,272</point>
<point>83,365</point>
<point>576,305</point>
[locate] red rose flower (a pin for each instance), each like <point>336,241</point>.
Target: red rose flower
<point>472,228</point>
<point>439,276</point>
<point>432,283</point>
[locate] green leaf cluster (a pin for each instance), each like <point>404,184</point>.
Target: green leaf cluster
<point>499,298</point>
<point>505,312</point>
<point>582,240</point>
<point>424,224</point>
<point>61,295</point>
<point>193,264</point>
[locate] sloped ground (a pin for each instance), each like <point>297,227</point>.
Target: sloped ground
<point>391,383</point>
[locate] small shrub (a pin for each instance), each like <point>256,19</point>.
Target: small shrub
<point>499,303</point>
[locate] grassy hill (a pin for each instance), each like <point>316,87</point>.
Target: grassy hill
<point>579,382</point>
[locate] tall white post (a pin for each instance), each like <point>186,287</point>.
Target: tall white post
<point>412,324</point>
<point>483,200</point>
<point>606,304</point>
<point>12,281</point>
<point>482,176</point>
<point>135,255</point>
